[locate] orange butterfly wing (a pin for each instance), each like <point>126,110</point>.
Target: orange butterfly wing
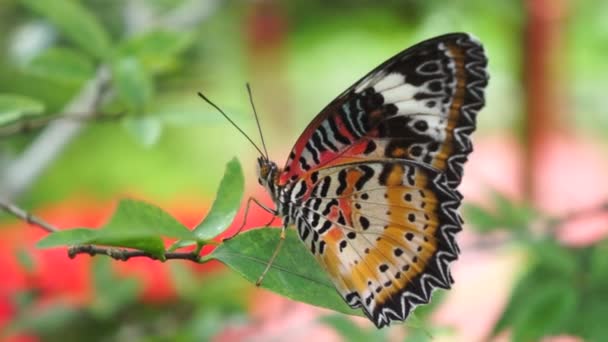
<point>372,180</point>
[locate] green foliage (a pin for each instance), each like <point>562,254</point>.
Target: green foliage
<point>145,130</point>
<point>224,208</point>
<point>133,83</point>
<point>62,65</point>
<point>14,108</point>
<point>76,23</point>
<point>112,294</point>
<point>554,295</point>
<point>135,224</point>
<point>156,50</point>
<point>351,332</point>
<point>294,274</point>
<point>506,214</point>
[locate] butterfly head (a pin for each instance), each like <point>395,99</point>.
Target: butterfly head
<point>267,174</point>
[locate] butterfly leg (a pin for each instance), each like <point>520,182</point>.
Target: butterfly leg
<point>254,200</point>
<point>274,255</point>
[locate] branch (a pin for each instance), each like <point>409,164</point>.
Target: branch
<point>126,254</point>
<point>19,175</point>
<point>27,217</point>
<point>114,253</point>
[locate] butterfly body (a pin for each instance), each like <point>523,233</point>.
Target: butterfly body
<point>370,185</point>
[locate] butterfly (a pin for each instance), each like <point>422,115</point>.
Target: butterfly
<point>371,183</point>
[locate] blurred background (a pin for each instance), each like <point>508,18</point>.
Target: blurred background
<point>98,102</point>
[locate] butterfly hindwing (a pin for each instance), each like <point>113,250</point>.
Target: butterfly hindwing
<point>419,105</point>
<point>383,230</point>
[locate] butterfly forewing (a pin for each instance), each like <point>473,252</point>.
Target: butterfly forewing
<point>419,105</point>
<point>371,182</point>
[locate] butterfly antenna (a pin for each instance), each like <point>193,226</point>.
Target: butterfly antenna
<point>230,120</point>
<point>257,119</point>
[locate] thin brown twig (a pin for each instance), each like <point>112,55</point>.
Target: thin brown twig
<point>27,217</point>
<point>121,254</point>
<point>126,254</point>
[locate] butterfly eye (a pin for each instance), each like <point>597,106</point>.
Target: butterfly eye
<point>260,181</point>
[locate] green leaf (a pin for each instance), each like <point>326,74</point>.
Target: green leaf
<point>527,287</point>
<point>507,214</point>
<point>75,22</point>
<point>43,320</point>
<point>68,237</point>
<point>591,317</point>
<point>546,313</point>
<point>350,331</point>
<point>513,215</point>
<point>224,208</point>
<point>156,50</point>
<point>63,65</point>
<point>480,218</point>
<point>145,129</point>
<point>25,260</point>
<point>133,83</point>
<point>554,258</point>
<point>111,292</point>
<point>16,107</point>
<point>598,273</point>
<point>294,274</point>
<point>134,224</point>
<point>543,275</point>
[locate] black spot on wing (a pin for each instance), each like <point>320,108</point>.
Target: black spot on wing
<point>341,182</point>
<point>368,173</point>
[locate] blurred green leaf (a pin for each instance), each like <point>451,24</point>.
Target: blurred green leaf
<point>43,320</point>
<point>133,83</point>
<point>555,258</point>
<point>294,274</point>
<point>224,208</point>
<point>16,107</point>
<point>553,267</point>
<point>63,65</point>
<point>525,288</point>
<point>25,260</point>
<point>350,331</point>
<point>545,313</point>
<point>590,317</point>
<point>111,292</point>
<point>156,50</point>
<point>598,272</point>
<point>76,236</point>
<point>507,214</point>
<point>205,324</point>
<point>134,224</point>
<point>145,129</point>
<point>24,299</point>
<point>480,218</point>
<point>76,23</point>
<point>515,216</point>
